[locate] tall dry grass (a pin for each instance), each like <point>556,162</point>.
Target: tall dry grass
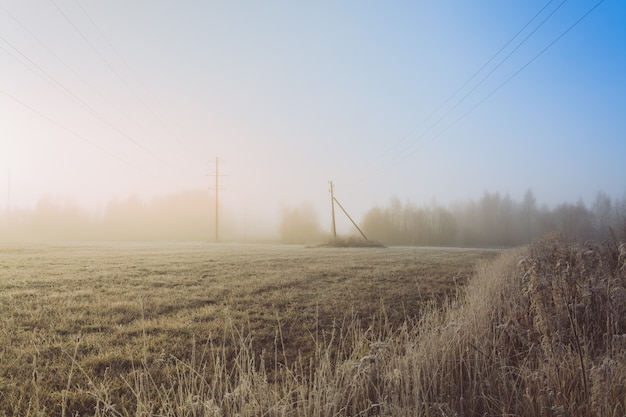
<point>541,331</point>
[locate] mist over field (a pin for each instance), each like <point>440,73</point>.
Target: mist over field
<point>495,219</point>
<point>132,116</point>
<point>186,216</point>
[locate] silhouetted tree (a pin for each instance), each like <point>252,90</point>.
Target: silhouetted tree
<point>493,221</point>
<point>574,221</point>
<point>529,210</point>
<point>299,224</point>
<point>603,215</point>
<point>377,225</point>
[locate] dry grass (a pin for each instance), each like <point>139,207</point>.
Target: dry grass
<point>252,331</point>
<point>352,242</point>
<point>539,332</point>
<point>168,329</point>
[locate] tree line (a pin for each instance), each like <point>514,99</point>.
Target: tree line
<point>178,217</point>
<point>494,220</point>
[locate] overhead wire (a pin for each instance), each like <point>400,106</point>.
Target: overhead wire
<point>114,71</point>
<point>109,65</point>
<point>495,90</point>
<point>95,50</point>
<point>134,73</point>
<point>482,80</point>
<point>46,75</point>
<point>64,90</point>
<point>76,134</point>
<point>67,66</point>
<point>462,86</point>
<point>59,86</point>
<point>403,154</point>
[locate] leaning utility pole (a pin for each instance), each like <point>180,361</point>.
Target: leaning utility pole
<point>350,218</point>
<point>332,202</point>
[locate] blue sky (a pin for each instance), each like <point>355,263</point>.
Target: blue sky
<point>102,100</point>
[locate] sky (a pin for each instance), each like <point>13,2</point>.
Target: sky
<point>417,100</point>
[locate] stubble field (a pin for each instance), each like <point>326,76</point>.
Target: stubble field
<point>79,317</point>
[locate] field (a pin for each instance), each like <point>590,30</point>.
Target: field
<point>108,329</point>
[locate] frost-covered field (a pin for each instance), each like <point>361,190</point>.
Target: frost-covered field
<point>76,317</point>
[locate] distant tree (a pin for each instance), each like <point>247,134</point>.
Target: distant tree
<point>397,216</point>
<point>505,222</point>
<point>602,211</point>
<point>126,220</point>
<point>377,225</point>
<point>445,229</point>
<point>468,218</point>
<point>494,220</point>
<point>620,209</point>
<point>489,207</point>
<point>57,219</point>
<point>574,221</point>
<point>409,224</point>
<point>299,224</point>
<point>421,226</point>
<point>529,207</point>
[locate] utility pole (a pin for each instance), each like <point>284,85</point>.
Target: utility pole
<point>350,218</point>
<point>8,196</point>
<point>332,202</point>
<point>217,192</point>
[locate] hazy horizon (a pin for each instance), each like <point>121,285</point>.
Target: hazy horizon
<point>494,220</point>
<point>104,101</point>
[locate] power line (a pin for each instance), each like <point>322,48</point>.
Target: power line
<point>108,64</point>
<point>75,134</point>
<point>66,65</point>
<point>41,72</point>
<point>95,50</point>
<point>462,99</point>
<point>47,77</point>
<point>60,87</point>
<point>401,155</point>
<point>217,176</point>
<point>64,90</point>
<point>132,71</point>
<point>495,90</point>
<point>458,90</point>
